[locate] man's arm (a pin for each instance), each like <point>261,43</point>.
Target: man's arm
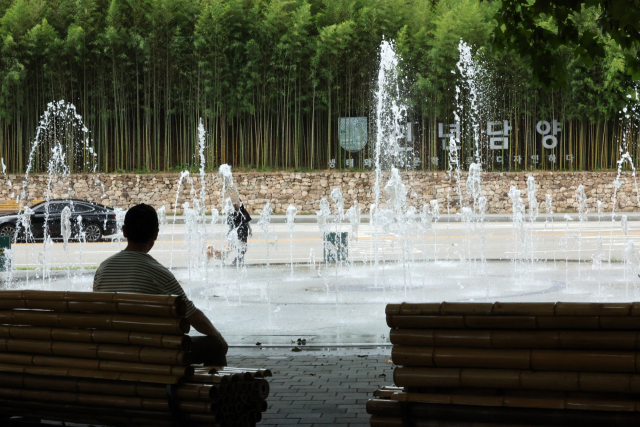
<point>202,324</point>
<point>196,318</point>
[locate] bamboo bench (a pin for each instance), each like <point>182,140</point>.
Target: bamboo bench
<point>556,364</point>
<point>117,360</point>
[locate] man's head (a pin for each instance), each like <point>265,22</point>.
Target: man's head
<point>141,226</point>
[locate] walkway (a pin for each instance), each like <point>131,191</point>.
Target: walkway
<point>320,387</point>
<point>313,387</point>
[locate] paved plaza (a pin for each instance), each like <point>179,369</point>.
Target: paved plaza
<point>320,386</point>
<point>317,386</point>
<point>553,238</point>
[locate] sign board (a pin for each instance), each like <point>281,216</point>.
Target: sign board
<point>353,133</point>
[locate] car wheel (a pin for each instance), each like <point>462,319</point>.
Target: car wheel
<point>8,230</point>
<point>93,233</point>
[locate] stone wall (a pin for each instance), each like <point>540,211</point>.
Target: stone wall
<point>305,190</point>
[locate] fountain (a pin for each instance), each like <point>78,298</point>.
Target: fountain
<point>402,252</point>
<point>62,138</point>
<point>291,217</point>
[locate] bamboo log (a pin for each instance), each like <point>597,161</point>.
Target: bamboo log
<point>505,415</point>
<point>612,340</point>
<point>522,399</point>
<point>263,390</point>
<point>12,404</point>
<point>385,393</point>
<point>105,415</point>
<point>515,322</point>
<point>184,391</point>
<point>514,309</point>
<point>237,374</point>
<point>94,374</point>
<point>379,421</point>
<point>405,308</point>
<point>545,360</point>
<point>210,379</point>
<point>232,376</point>
<point>260,373</point>
<point>117,322</point>
<point>128,402</point>
<point>95,307</point>
<point>383,407</point>
<point>516,379</point>
<point>87,418</point>
<point>128,353</point>
<point>176,342</point>
<point>95,364</point>
<point>91,297</point>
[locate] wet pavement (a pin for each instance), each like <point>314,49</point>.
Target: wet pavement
<point>448,240</point>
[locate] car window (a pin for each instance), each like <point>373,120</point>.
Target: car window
<point>81,208</point>
<point>39,209</point>
<point>56,208</point>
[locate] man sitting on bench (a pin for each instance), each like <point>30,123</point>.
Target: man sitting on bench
<point>133,270</point>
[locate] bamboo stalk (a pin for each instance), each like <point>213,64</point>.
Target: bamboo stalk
<point>128,353</point>
<point>184,391</point>
<point>87,418</point>
<point>114,297</point>
<point>129,402</point>
<point>504,415</point>
<point>118,322</point>
<point>609,340</point>
<point>88,373</point>
<point>515,322</point>
<point>385,393</point>
<point>546,360</point>
<point>380,421</point>
<point>209,379</point>
<point>517,379</point>
<point>25,360</point>
<point>255,372</point>
<point>383,407</point>
<point>95,307</point>
<point>524,399</point>
<point>9,405</point>
<point>514,309</point>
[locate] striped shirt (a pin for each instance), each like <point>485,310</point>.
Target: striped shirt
<point>137,272</point>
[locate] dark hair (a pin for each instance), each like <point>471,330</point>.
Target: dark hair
<point>141,222</point>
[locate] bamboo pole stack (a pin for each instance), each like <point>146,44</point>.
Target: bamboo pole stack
<point>115,359</point>
<point>560,364</point>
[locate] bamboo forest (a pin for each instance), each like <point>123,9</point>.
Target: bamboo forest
<point>272,80</point>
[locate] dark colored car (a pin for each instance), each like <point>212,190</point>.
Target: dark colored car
<point>97,220</point>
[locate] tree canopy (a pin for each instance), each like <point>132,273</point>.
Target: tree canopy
<point>538,30</point>
<point>272,78</point>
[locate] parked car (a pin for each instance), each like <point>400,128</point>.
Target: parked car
<point>97,220</point>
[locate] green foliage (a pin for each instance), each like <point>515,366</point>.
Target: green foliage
<point>539,30</point>
<point>270,78</point>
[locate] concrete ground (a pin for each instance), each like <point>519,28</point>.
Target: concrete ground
<point>447,240</point>
<point>314,387</point>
